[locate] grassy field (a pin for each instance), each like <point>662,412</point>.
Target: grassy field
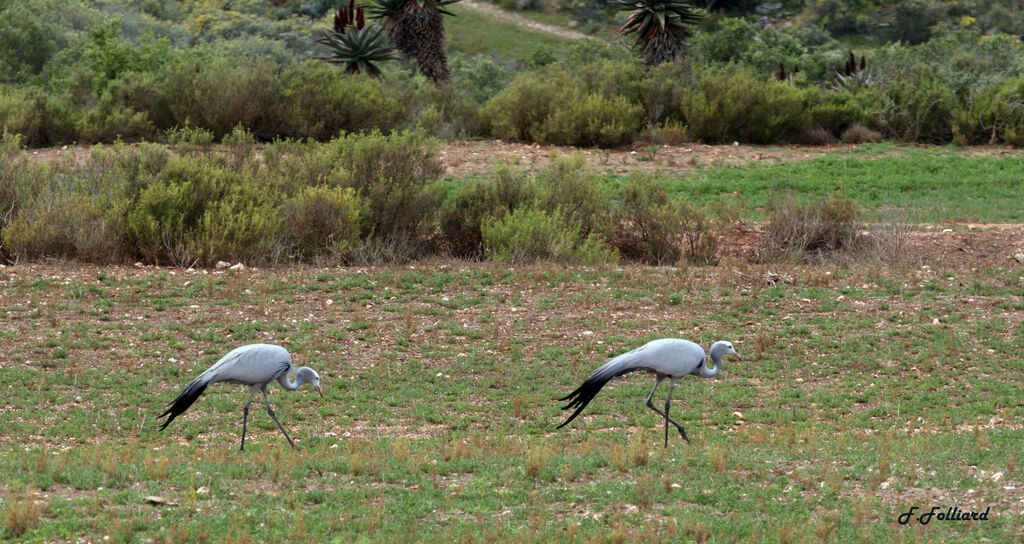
<point>936,183</point>
<point>864,391</point>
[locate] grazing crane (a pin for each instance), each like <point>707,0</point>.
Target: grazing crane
<point>670,358</point>
<point>255,365</point>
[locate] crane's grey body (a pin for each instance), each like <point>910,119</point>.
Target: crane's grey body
<point>255,365</point>
<point>671,358</point>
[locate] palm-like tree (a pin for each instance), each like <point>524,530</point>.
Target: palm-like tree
<point>416,28</point>
<point>661,27</point>
<point>354,45</point>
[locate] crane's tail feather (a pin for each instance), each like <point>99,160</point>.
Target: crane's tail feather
<point>185,399</point>
<point>586,392</point>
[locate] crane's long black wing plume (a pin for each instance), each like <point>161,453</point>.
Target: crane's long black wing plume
<point>185,399</point>
<point>581,397</point>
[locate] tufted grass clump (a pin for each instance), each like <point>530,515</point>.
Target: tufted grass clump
<point>22,512</point>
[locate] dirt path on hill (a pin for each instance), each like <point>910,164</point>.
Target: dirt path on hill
<point>497,13</point>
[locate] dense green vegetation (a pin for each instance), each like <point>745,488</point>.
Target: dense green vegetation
<point>98,72</point>
<point>374,198</point>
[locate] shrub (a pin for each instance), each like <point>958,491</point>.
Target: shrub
<point>12,163</point>
<point>40,118</point>
<point>322,220</point>
<point>144,92</point>
<point>222,93</point>
<point>916,106</point>
<point>444,112</point>
<point>860,134</point>
<point>292,165</point>
<point>547,106</point>
<point>324,103</point>
<point>836,110</point>
<point>243,225</point>
<point>241,149</point>
<point>593,120</point>
<point>529,234</point>
<point>466,207</point>
<point>394,174</point>
<point>118,123</point>
<point>734,105</point>
<point>163,220</point>
<point>661,90</point>
<point>995,115</point>
<point>656,229</point>
<point>519,111</point>
<point>483,75</point>
<point>668,133</point>
<point>569,185</point>
<point>189,138</point>
<point>817,135</point>
<point>68,224</point>
<point>799,229</point>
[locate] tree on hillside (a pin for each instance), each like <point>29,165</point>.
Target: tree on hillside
<point>661,27</point>
<point>416,28</point>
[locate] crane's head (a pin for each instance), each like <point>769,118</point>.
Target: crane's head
<point>308,375</point>
<point>722,347</point>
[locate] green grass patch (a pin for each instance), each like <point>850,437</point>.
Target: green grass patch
<point>930,184</point>
<point>440,384</point>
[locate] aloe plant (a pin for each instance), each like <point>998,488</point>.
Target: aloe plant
<point>416,28</point>
<point>354,45</point>
<point>661,27</point>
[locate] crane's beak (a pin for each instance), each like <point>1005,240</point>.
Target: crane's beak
<point>737,355</point>
<point>319,391</point>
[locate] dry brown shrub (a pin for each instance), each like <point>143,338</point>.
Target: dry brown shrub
<point>860,134</point>
<point>805,230</point>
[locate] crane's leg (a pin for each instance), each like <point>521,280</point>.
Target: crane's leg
<point>245,415</point>
<point>665,413</point>
<point>274,417</point>
<point>668,402</point>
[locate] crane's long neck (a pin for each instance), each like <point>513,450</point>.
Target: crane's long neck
<point>289,380</point>
<point>704,372</point>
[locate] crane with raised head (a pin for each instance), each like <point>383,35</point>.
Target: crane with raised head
<point>254,365</point>
<point>670,358</point>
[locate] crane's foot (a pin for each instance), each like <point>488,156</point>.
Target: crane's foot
<point>683,434</point>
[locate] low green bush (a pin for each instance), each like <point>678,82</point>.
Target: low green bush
<point>917,107</point>
<point>395,175</point>
<point>995,115</point>
<point>322,220</point>
<point>733,104</point>
<point>324,103</point>
<point>593,120</point>
<point>468,205</point>
<point>657,229</point>
<point>548,106</point>
<point>67,224</point>
<point>41,118</point>
<point>529,234</point>
<point>163,222</point>
<point>570,186</point>
<point>241,226</point>
<point>222,93</point>
<point>119,123</point>
<point>519,111</point>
